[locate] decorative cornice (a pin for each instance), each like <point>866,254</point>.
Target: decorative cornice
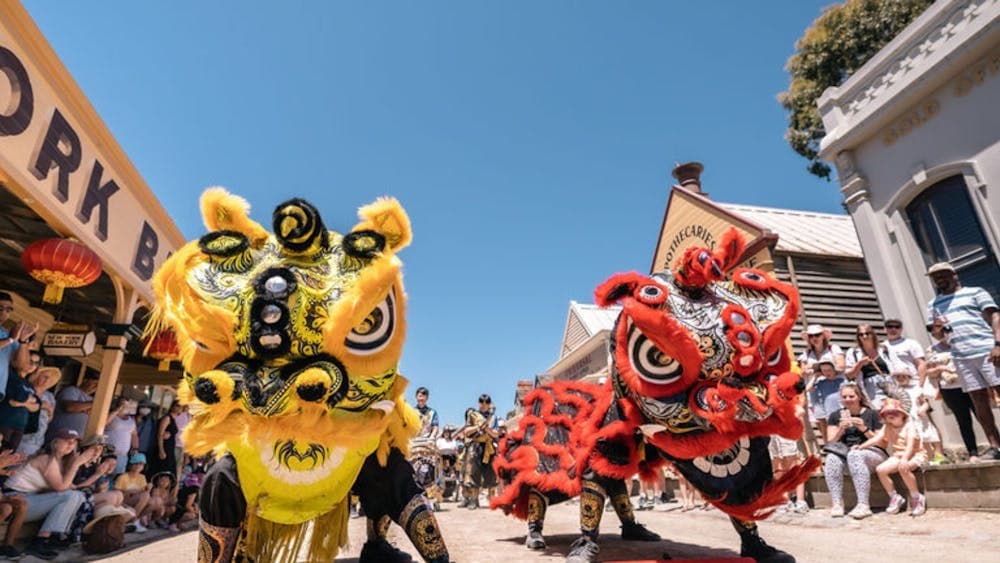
<point>944,34</point>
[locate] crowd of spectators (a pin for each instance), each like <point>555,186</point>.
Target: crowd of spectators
<point>872,405</point>
<point>91,490</point>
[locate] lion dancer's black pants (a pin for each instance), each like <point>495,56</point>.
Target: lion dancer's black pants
<point>388,491</point>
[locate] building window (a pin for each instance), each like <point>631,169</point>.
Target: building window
<point>947,229</point>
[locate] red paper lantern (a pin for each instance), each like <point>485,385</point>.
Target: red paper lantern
<point>60,263</point>
<point>163,346</point>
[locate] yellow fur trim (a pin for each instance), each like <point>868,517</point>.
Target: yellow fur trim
<point>282,543</point>
<point>222,210</point>
<point>386,216</point>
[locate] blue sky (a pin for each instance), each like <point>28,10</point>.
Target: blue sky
<point>530,142</point>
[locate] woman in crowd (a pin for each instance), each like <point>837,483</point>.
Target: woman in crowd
<point>46,481</point>
<point>848,427</point>
<point>819,347</point>
<point>901,437</point>
<point>166,438</point>
<point>146,425</point>
<point>42,382</point>
<point>942,372</point>
<point>868,365</point>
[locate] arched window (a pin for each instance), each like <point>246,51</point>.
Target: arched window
<point>947,229</point>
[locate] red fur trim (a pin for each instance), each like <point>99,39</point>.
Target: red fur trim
<point>669,336</point>
<point>773,494</point>
<point>730,249</point>
<point>617,287</point>
<point>522,464</point>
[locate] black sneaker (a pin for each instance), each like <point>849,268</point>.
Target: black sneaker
<point>634,531</point>
<point>39,548</point>
<point>381,551</point>
<point>535,540</point>
<point>10,553</point>
<point>583,550</point>
<point>757,549</point>
<point>992,453</point>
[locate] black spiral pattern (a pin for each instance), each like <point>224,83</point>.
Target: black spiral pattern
<point>298,226</point>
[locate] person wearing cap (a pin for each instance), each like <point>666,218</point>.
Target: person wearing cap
<point>73,405</point>
<point>819,347</point>
<point>900,438</point>
<point>46,481</point>
<point>133,483</point>
<point>972,320</point>
<point>823,388</point>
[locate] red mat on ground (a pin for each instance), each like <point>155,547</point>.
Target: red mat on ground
<point>723,560</point>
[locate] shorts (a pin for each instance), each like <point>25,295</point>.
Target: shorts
<point>976,373</point>
<point>918,460</point>
<point>783,447</point>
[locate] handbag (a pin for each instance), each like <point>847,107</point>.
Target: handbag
<point>838,449</point>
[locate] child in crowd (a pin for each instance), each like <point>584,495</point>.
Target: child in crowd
<point>824,392</point>
<point>13,507</point>
<point>133,484</point>
<point>900,436</point>
<point>187,502</point>
<point>163,498</point>
<point>920,408</point>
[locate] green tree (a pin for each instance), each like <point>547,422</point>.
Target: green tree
<point>838,43</point>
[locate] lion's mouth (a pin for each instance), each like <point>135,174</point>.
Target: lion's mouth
<point>300,464</point>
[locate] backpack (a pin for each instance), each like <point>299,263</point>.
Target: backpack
<point>107,535</point>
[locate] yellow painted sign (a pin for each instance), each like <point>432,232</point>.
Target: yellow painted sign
<point>693,220</point>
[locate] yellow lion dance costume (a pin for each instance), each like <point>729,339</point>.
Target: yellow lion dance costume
<point>291,344</point>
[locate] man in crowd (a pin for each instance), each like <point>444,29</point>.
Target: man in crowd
<point>480,432</point>
<point>73,406</point>
<point>429,424</point>
<point>972,319</point>
<point>13,352</point>
<point>906,353</point>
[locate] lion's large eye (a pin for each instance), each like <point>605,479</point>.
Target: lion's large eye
<point>649,362</point>
<point>375,332</point>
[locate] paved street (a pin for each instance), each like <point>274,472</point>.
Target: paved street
<point>483,536</point>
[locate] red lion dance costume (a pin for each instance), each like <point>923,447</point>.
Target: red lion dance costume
<point>701,377</point>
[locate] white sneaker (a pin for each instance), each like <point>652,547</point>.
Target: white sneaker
<point>139,528</point>
<point>837,511</point>
<point>919,504</point>
<point>800,507</point>
<point>860,511</point>
<point>896,503</point>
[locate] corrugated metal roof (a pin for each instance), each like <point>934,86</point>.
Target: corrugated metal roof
<point>806,232</point>
<point>594,318</point>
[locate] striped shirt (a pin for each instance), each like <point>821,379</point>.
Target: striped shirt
<point>963,311</point>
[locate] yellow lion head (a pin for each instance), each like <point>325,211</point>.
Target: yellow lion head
<point>291,343</point>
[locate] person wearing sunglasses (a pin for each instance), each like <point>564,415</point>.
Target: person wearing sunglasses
<point>13,352</point>
<point>868,365</point>
<point>907,354</point>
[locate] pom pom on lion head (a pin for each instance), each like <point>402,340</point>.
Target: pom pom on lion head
<point>291,340</point>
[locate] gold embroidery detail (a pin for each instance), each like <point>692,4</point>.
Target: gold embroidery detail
<point>623,507</point>
<point>537,504</point>
<point>426,536</point>
<point>591,510</point>
<point>216,544</point>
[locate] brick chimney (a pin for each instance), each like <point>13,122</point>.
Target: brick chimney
<point>688,176</point>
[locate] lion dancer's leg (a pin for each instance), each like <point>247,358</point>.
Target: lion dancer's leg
<point>751,544</point>
<point>223,508</point>
<point>631,530</point>
<point>537,505</point>
<point>391,493</point>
